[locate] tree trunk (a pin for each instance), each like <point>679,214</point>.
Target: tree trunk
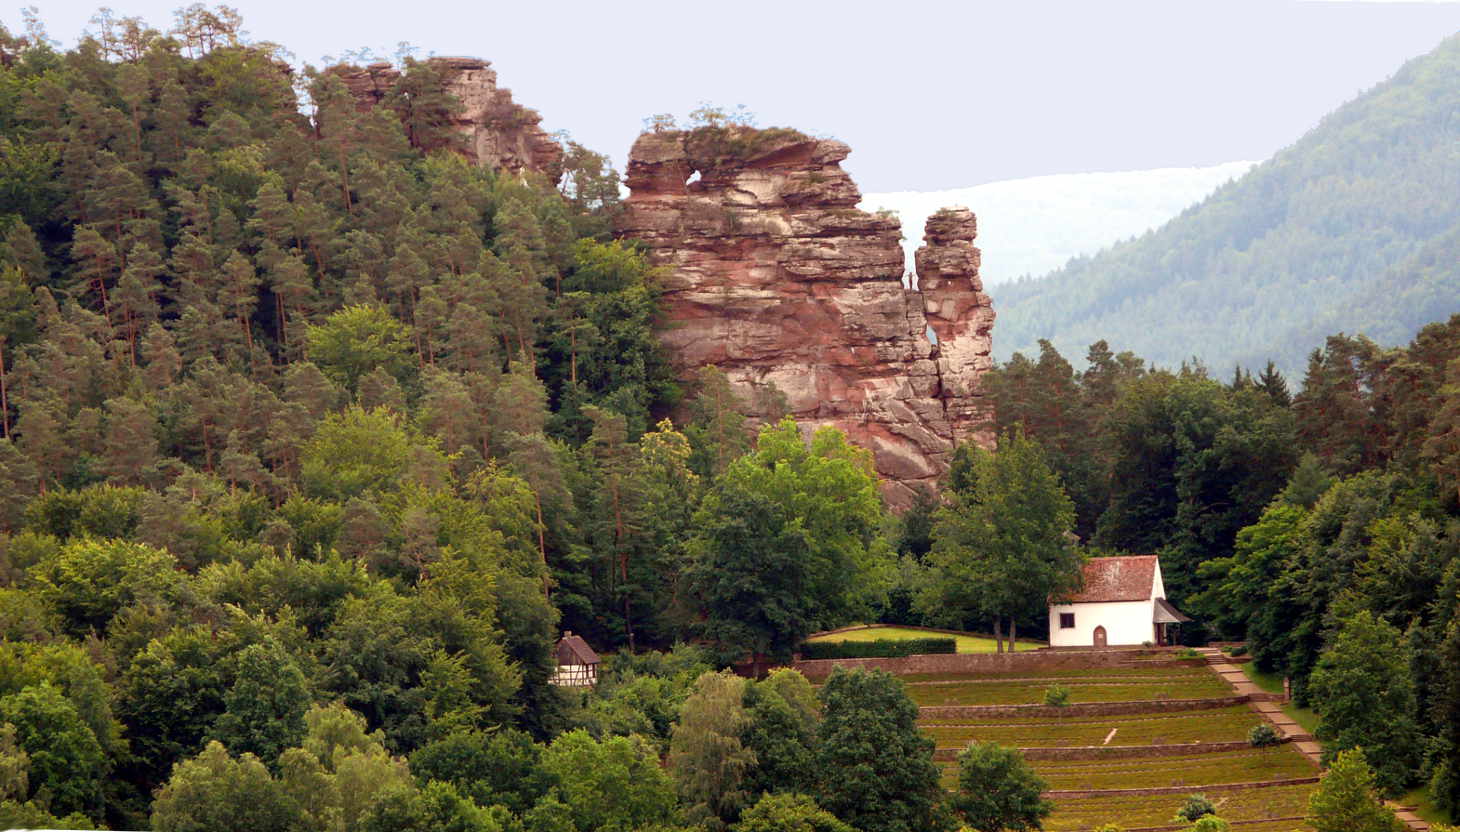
<point>1013,633</point>
<point>5,399</point>
<point>547,591</point>
<point>998,634</point>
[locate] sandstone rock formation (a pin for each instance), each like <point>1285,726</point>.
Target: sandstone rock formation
<point>778,279</point>
<point>498,132</point>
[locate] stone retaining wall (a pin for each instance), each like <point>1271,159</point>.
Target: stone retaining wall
<point>999,662</point>
<point>1139,706</point>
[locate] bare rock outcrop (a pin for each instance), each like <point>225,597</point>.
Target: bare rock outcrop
<point>775,277</point>
<point>497,132</point>
<point>960,314</point>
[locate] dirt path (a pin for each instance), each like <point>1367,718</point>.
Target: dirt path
<point>1271,708</point>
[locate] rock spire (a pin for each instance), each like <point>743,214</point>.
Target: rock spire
<point>776,277</point>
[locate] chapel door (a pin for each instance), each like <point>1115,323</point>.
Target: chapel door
<point>1099,636</point>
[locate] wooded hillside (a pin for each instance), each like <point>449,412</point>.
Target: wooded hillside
<point>1353,228</point>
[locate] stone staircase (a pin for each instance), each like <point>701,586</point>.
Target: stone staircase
<point>1270,706</point>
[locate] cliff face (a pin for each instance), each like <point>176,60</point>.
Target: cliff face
<point>499,133</point>
<point>778,279</point>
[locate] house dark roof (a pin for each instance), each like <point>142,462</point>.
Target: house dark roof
<point>574,650</point>
<point>1128,578</point>
<point>1167,614</point>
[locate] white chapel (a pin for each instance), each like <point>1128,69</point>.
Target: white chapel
<point>1123,603</point>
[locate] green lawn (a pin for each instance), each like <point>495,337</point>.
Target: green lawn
<point>967,642</point>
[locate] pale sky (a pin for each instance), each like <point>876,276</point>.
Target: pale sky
<point>930,95</point>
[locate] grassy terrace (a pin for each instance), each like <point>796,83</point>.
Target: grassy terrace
<point>1156,810</point>
<point>1195,771</point>
<point>1192,773</point>
<point>1155,673</point>
<point>967,642</point>
<point>1081,690</point>
<point>1220,725</point>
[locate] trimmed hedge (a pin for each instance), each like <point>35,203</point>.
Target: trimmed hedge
<point>882,648</point>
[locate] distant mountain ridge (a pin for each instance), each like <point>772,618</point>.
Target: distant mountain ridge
<point>1355,227</point>
<point>1034,225</point>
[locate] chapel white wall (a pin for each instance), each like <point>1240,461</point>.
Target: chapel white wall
<point>1126,623</point>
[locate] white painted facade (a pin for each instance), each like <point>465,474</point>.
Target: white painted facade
<point>1126,623</point>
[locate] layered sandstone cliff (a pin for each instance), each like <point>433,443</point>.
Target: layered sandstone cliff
<point>497,132</point>
<point>775,277</point>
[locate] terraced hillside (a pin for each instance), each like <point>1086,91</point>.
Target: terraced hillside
<point>1163,728</point>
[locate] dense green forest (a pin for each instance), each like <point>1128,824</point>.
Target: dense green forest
<point>1322,527</point>
<point>1354,228</point>
<point>313,437</point>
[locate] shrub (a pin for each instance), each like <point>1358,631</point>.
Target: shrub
<point>1188,653</point>
<point>1197,806</point>
<point>1057,695</point>
<point>1263,736</point>
<point>880,649</point>
<point>1237,650</point>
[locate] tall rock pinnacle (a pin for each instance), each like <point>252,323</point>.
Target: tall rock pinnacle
<point>775,277</point>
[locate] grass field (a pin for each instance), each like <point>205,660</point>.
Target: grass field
<point>967,642</point>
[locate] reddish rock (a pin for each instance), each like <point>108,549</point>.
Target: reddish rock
<point>775,277</point>
<point>498,132</point>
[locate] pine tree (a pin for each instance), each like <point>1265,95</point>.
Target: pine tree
<point>136,295</point>
<point>130,453</point>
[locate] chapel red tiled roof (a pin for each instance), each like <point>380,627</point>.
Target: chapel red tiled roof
<point>1127,578</point>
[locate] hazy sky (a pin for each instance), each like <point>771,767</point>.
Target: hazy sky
<point>928,94</point>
